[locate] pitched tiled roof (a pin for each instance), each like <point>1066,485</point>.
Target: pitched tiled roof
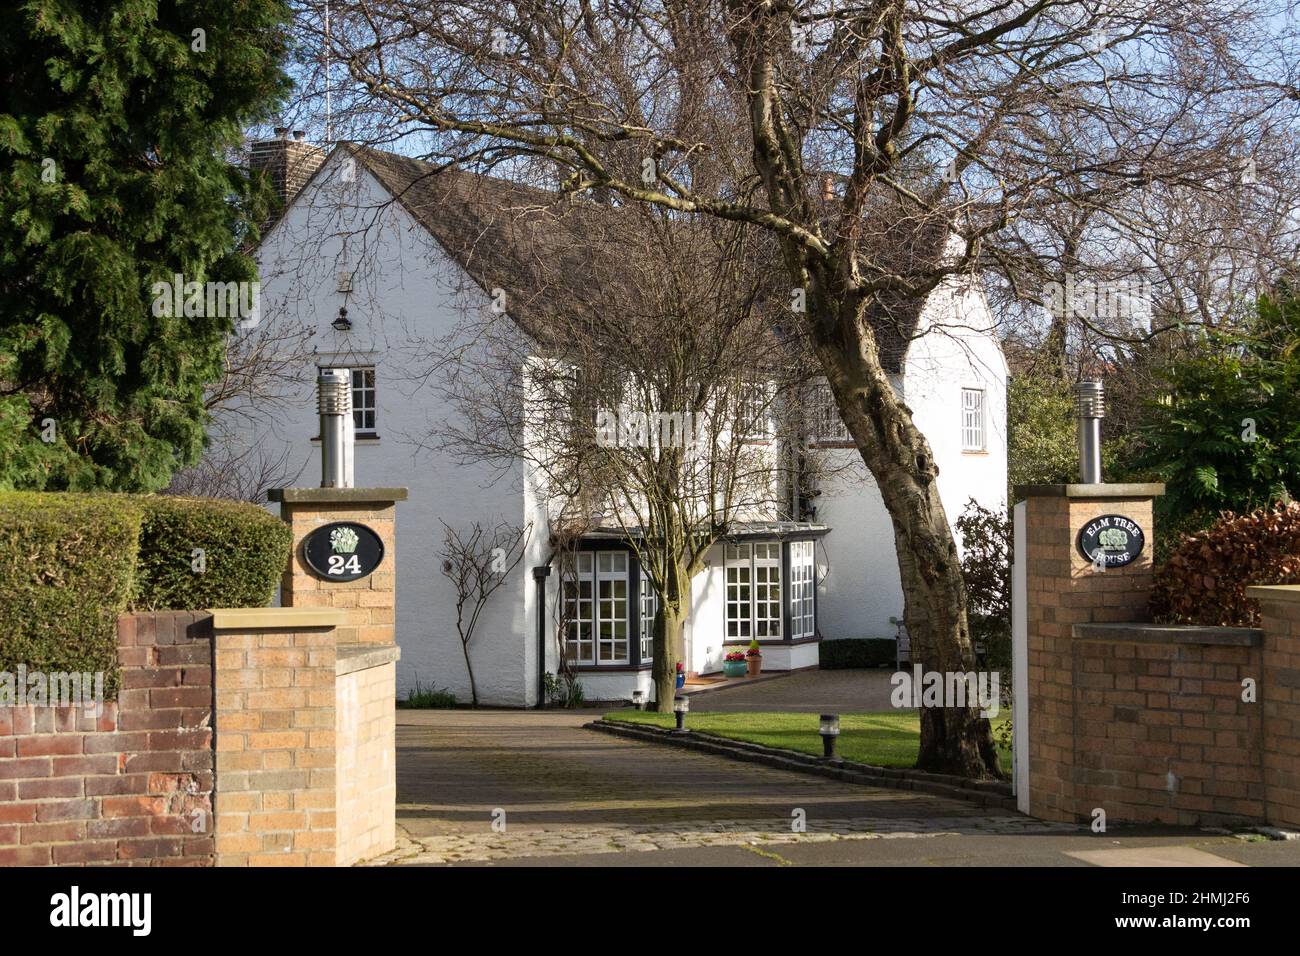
<point>511,236</point>
<point>531,242</point>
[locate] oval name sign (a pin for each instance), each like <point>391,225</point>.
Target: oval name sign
<point>342,551</point>
<point>1111,541</point>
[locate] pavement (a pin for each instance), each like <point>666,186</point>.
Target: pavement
<point>527,788</point>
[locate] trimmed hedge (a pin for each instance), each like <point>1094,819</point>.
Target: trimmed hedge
<point>1205,579</point>
<point>245,551</point>
<point>67,570</point>
<point>855,652</point>
<point>71,563</point>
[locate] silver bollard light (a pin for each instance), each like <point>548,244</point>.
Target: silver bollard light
<point>1090,409</point>
<point>337,429</point>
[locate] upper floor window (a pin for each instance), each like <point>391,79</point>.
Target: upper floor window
<point>363,399</point>
<point>754,411</point>
<point>825,423</point>
<point>972,419</point>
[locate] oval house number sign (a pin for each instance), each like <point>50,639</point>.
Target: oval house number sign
<point>343,551</point>
<point>1111,541</point>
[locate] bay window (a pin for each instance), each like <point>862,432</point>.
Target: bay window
<point>596,608</point>
<point>803,621</point>
<point>753,576</point>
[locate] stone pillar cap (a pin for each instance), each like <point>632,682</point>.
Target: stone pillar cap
<point>325,496</point>
<point>1137,490</point>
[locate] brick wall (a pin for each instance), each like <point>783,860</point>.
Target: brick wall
<point>1150,723</point>
<point>366,768</point>
<point>304,740</point>
<point>130,786</point>
<point>1280,696</point>
<point>1063,589</point>
<point>1161,732</point>
<point>275,747</point>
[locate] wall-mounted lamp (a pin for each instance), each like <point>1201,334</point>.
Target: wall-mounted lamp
<point>342,323</point>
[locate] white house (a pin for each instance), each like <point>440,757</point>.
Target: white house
<point>405,250</point>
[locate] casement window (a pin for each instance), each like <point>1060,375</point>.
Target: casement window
<point>972,419</point>
<point>825,422</point>
<point>596,608</point>
<point>753,596</point>
<point>649,605</point>
<point>754,411</point>
<point>363,399</point>
<point>803,622</point>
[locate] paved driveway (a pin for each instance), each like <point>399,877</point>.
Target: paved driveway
<point>813,691</point>
<point>559,794</point>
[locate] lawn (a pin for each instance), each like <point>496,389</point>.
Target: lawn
<point>881,738</point>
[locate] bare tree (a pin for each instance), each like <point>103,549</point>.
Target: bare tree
<point>657,398</point>
<point>263,375</point>
<point>824,125</point>
<point>477,560</point>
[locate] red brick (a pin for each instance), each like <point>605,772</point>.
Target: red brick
<point>25,856</point>
<point>44,745</point>
<point>63,787</point>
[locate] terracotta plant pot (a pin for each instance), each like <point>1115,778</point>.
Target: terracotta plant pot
<point>754,665</point>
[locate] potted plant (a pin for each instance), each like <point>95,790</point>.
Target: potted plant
<point>734,664</point>
<point>681,675</point>
<point>754,658</point>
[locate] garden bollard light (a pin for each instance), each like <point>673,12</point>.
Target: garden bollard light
<point>680,706</point>
<point>638,699</point>
<point>829,729</point>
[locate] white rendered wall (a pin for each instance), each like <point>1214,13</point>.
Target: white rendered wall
<point>405,291</point>
<point>957,349</point>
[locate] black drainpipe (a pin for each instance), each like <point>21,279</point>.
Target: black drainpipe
<point>540,574</point>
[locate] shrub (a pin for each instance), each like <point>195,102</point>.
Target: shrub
<point>986,571</point>
<point>1205,579</point>
<point>244,553</point>
<point>67,570</point>
<point>854,653</point>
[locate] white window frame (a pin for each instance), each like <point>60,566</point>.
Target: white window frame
<point>752,573</point>
<point>754,411</point>
<point>803,618</point>
<point>973,432</point>
<point>596,614</point>
<point>827,425</point>
<point>364,399</point>
<point>649,604</point>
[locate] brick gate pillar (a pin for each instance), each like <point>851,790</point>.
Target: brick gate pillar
<point>1062,589</point>
<point>369,603</point>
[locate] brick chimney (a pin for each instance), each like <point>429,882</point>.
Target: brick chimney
<point>289,162</point>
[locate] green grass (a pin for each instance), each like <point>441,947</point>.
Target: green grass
<point>882,738</point>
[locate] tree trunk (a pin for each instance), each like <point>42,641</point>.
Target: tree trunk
<point>469,669</point>
<point>953,739</point>
<point>668,650</point>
